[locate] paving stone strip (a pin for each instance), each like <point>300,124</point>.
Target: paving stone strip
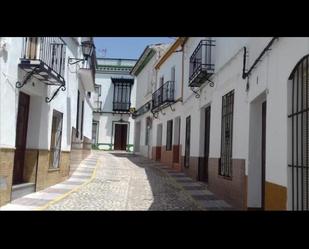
<point>197,190</point>
<point>38,199</point>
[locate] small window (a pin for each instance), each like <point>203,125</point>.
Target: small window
<point>89,94</point>
<point>173,73</point>
<point>225,167</point>
<point>56,136</point>
<point>169,135</point>
<point>161,81</point>
<point>98,90</point>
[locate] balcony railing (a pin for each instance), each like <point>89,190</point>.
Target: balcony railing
<point>44,59</point>
<point>201,63</point>
<point>164,95</point>
<point>121,106</point>
<point>48,55</point>
<point>143,109</point>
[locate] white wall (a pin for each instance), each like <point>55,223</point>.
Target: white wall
<point>143,80</point>
<point>106,128</point>
<point>40,112</point>
<point>175,60</point>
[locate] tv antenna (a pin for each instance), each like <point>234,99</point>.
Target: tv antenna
<point>102,52</point>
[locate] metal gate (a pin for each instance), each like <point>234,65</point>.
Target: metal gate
<point>299,135</point>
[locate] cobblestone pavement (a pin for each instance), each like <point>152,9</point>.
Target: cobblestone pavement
<point>124,181</point>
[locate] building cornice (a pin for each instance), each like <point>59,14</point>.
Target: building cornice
<point>147,54</point>
<point>179,41</point>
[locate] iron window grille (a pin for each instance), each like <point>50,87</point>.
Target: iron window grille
<point>44,59</point>
<point>225,166</point>
<point>163,96</point>
<point>56,136</point>
<point>201,63</point>
<point>298,118</point>
<point>77,114</point>
<point>122,94</point>
<point>169,135</point>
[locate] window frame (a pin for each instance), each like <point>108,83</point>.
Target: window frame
<point>227,120</point>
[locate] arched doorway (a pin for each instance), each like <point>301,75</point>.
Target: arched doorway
<point>298,137</point>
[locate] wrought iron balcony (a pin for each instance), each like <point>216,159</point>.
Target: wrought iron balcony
<point>121,106</point>
<point>44,59</point>
<point>163,96</point>
<point>122,94</point>
<point>201,63</point>
<point>143,109</point>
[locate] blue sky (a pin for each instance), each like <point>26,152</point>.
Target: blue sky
<point>125,47</point>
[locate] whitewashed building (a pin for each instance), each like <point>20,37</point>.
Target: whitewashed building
<point>146,82</point>
<point>113,125</point>
<point>242,108</point>
<point>45,110</point>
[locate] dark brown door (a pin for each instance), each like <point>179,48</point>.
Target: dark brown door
<point>263,153</point>
<point>120,142</point>
<point>204,167</point>
<point>21,137</point>
<point>187,142</point>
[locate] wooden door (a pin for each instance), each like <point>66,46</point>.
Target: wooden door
<point>21,137</point>
<point>120,142</point>
<point>204,169</point>
<point>263,153</point>
<point>187,142</point>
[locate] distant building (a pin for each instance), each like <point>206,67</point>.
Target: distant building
<point>114,97</point>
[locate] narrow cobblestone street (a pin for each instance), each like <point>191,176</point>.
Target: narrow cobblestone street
<point>121,181</point>
<point>127,182</point>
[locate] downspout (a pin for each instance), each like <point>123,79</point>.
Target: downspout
<point>267,48</point>
<point>182,71</point>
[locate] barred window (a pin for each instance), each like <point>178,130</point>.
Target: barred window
<point>56,136</point>
<point>169,135</point>
<point>225,166</point>
<point>299,135</point>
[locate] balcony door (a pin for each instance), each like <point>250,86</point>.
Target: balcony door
<point>120,142</point>
<point>31,44</point>
<point>21,137</point>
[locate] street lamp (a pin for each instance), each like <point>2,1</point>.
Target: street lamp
<point>87,50</point>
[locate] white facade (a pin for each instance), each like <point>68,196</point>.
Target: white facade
<point>146,78</point>
<point>106,116</point>
<point>268,81</point>
<point>53,75</point>
<point>40,113</point>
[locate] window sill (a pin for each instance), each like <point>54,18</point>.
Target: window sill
<point>53,170</point>
<point>230,178</point>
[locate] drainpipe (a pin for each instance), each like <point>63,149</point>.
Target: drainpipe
<point>267,48</point>
<point>182,69</point>
<point>258,59</point>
